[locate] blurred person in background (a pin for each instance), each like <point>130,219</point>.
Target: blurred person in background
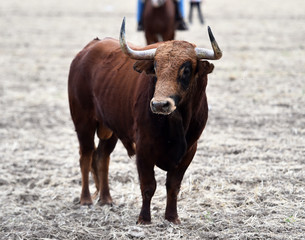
<point>195,3</point>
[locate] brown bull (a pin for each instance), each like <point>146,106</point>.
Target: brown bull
<point>159,21</point>
<point>157,111</point>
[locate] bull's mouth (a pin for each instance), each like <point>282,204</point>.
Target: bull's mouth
<point>164,106</point>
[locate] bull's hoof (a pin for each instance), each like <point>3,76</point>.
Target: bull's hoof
<point>86,202</point>
<point>106,200</point>
<point>173,220</point>
<point>141,221</point>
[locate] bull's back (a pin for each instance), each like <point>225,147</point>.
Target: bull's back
<point>102,80</point>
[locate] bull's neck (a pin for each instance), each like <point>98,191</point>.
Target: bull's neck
<point>196,94</point>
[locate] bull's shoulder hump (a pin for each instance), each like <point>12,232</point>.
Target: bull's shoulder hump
<point>110,40</point>
<point>104,48</point>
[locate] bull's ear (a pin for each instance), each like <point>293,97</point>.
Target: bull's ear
<point>144,65</point>
<point>204,67</point>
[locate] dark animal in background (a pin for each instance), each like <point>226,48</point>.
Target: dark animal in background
<point>159,21</point>
<point>158,111</point>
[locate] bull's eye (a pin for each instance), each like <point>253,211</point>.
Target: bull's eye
<point>155,66</point>
<point>185,74</point>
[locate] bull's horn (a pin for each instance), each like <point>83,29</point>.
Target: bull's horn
<point>214,54</point>
<point>148,54</point>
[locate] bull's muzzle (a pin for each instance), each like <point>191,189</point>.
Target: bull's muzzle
<point>162,106</point>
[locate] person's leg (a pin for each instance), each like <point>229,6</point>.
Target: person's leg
<point>191,12</point>
<point>200,13</point>
<point>179,5</point>
<point>140,15</point>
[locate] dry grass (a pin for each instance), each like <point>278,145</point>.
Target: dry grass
<point>247,179</point>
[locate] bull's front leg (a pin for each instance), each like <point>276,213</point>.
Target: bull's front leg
<point>148,187</point>
<point>173,183</point>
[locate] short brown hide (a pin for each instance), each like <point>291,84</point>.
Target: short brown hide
<point>108,98</point>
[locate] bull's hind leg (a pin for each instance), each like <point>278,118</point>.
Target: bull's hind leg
<point>86,141</point>
<point>100,164</point>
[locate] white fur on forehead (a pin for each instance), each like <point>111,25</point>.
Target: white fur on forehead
<point>157,3</point>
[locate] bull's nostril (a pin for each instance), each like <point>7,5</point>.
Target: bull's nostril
<point>154,104</point>
<point>160,105</point>
<point>166,104</point>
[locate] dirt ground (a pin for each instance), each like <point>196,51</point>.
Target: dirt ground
<point>247,180</point>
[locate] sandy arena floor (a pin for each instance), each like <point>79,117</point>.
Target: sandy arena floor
<point>247,180</point>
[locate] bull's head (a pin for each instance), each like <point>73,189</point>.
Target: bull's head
<point>175,65</point>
